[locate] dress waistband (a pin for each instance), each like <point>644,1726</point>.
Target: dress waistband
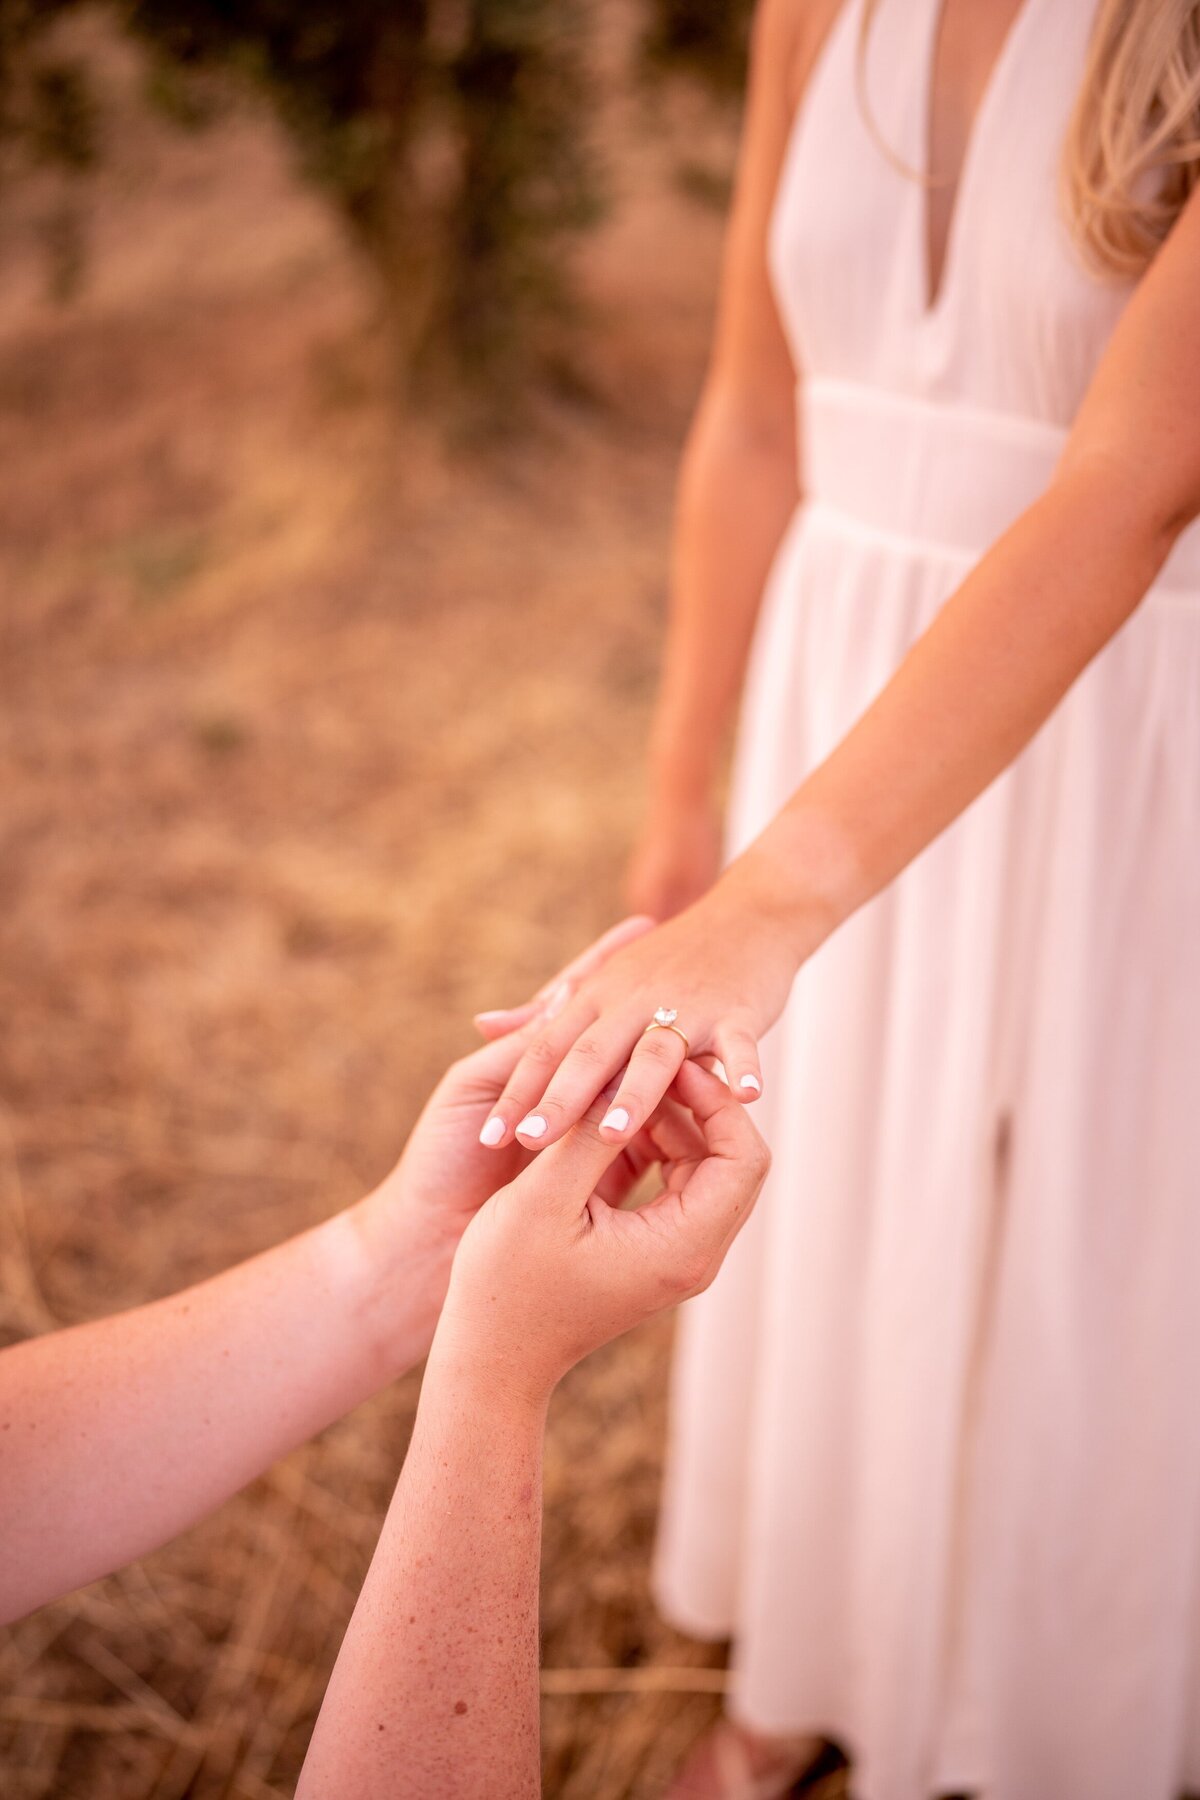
<point>939,476</point>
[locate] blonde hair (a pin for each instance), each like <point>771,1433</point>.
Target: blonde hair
<point>1132,151</point>
<point>1132,154</point>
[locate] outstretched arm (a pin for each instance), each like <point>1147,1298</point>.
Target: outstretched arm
<point>435,1690</point>
<point>999,657</point>
<point>119,1434</point>
<point>115,1436</point>
<point>1020,630</point>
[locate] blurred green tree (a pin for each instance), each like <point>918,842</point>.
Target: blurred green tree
<point>452,135</point>
<point>709,38</point>
<point>48,119</point>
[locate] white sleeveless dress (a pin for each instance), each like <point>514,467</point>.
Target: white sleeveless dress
<point>935,1450</point>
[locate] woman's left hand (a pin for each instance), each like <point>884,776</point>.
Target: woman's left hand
<point>721,968</point>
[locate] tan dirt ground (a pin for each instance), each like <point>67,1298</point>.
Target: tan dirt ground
<point>314,738</point>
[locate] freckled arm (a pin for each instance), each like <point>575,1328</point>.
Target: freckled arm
<point>117,1435</point>
<point>436,1687</point>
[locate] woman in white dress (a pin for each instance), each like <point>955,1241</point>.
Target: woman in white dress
<point>936,1451</point>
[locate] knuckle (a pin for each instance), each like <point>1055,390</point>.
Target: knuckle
<point>543,1053</point>
<point>675,1284</point>
<point>697,1272</point>
<point>692,1274</point>
<point>653,1048</point>
<point>589,1050</point>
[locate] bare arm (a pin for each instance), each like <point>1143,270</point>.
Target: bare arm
<point>119,1434</point>
<point>969,696</point>
<point>116,1435</point>
<point>435,1689</point>
<point>1019,631</point>
<point>737,489</point>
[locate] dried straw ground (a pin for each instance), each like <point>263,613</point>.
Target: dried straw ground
<point>313,739</point>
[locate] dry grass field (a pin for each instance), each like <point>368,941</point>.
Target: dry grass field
<point>315,736</point>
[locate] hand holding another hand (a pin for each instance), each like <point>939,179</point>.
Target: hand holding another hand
<point>551,1268</point>
<point>410,1225</point>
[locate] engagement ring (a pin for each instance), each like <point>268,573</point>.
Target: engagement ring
<point>664,1020</point>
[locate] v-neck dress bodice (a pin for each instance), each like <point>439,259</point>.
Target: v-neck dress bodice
<point>964,401</point>
<point>935,1456</point>
<point>1018,322</point>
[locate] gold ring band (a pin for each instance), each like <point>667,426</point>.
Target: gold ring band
<point>664,1020</point>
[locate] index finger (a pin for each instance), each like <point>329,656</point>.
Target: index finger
<point>722,1189</point>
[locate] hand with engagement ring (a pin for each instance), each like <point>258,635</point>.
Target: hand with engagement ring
<point>705,985</point>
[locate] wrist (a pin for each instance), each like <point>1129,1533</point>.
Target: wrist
<point>506,1386</point>
<point>403,1273</point>
<point>797,880</point>
<point>674,792</point>
<point>684,762</point>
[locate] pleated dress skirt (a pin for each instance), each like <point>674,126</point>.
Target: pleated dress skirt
<point>935,1448</point>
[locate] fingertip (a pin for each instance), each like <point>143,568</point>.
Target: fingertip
<point>637,924</point>
<point>616,1121</point>
<point>499,1021</point>
<point>697,1084</point>
<point>716,1107</point>
<point>490,1025</point>
<point>749,1087</point>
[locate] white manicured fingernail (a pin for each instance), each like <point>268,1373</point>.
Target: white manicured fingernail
<point>751,1081</point>
<point>492,1132</point>
<point>616,1120</point>
<point>534,1126</point>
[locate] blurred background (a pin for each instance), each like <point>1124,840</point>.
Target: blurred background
<point>346,351</point>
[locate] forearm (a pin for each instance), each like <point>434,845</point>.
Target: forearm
<point>436,1686</point>
<point>738,488</point>
<point>970,695</point>
<point>119,1434</point>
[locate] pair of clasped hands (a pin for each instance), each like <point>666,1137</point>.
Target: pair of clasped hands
<point>563,1128</point>
<point>500,1248</point>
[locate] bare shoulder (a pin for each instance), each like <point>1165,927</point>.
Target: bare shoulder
<point>788,35</point>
